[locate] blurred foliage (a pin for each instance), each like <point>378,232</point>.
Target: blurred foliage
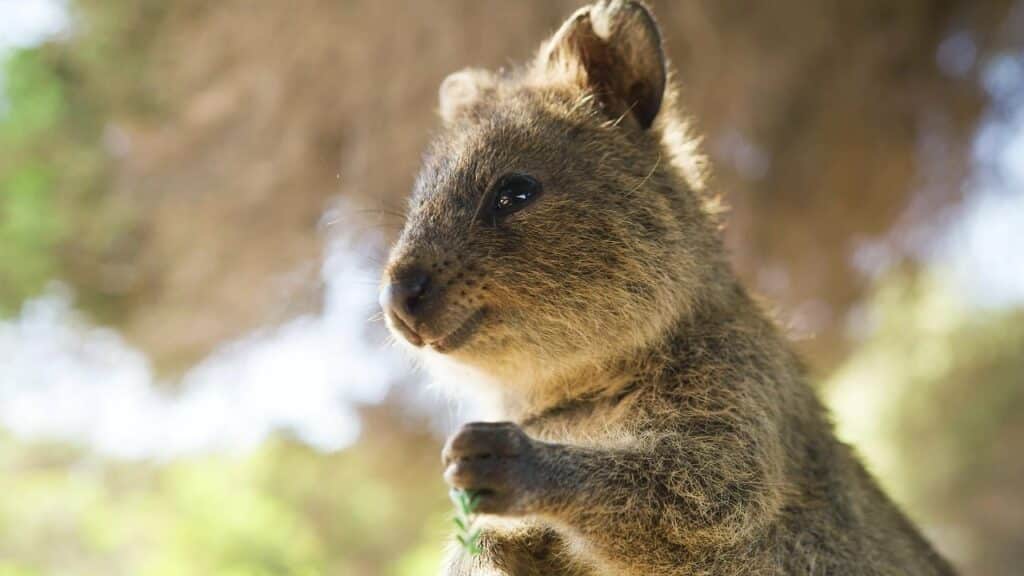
<point>282,510</point>
<point>924,397</point>
<point>59,218</point>
<point>30,225</point>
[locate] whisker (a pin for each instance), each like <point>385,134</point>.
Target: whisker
<point>382,212</point>
<point>617,121</point>
<point>586,99</point>
<point>646,178</point>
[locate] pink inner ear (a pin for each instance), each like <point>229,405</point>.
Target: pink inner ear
<point>623,65</point>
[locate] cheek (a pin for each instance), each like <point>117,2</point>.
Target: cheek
<point>542,263</point>
<point>559,244</point>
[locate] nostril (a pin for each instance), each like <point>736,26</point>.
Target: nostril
<point>414,287</point>
<point>405,296</point>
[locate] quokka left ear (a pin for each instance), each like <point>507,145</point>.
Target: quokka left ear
<point>612,48</point>
<point>460,90</point>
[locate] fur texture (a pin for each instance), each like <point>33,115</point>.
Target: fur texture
<point>658,423</point>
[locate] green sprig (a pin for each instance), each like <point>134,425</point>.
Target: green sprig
<point>466,503</point>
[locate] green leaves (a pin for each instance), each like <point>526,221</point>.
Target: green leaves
<point>32,105</point>
<point>34,97</point>
<point>31,228</point>
<point>282,510</point>
<point>466,503</point>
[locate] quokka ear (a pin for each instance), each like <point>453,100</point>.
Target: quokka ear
<point>460,90</point>
<point>612,48</point>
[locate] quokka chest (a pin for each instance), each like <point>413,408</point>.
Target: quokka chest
<point>604,423</point>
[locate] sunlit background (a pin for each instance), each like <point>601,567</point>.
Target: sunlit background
<point>196,197</point>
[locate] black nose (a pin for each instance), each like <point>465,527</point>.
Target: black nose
<point>405,295</point>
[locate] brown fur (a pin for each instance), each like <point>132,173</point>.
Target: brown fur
<point>662,424</point>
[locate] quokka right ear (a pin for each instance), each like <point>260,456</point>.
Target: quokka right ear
<point>460,90</point>
<point>613,49</point>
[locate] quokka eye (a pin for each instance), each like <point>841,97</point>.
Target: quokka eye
<point>511,193</point>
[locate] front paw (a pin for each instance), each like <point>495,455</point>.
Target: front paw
<point>496,462</point>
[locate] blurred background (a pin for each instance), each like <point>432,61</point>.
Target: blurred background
<point>196,197</point>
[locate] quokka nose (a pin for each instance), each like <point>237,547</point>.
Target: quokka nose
<point>404,296</point>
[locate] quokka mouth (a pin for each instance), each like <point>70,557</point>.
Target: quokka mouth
<point>460,335</point>
<point>408,333</point>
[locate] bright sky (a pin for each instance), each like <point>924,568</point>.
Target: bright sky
<point>27,22</point>
<point>984,247</point>
<point>63,378</point>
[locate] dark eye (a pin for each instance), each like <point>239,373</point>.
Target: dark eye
<point>511,193</point>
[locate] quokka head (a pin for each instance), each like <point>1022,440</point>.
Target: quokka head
<point>555,220</point>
